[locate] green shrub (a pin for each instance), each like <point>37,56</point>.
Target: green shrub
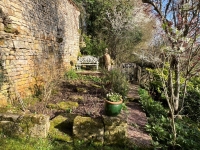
<point>159,126</point>
<point>192,105</point>
<point>150,106</point>
<point>71,75</point>
<point>116,82</point>
<point>188,134</point>
<point>158,123</point>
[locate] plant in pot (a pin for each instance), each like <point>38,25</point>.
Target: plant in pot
<point>113,104</point>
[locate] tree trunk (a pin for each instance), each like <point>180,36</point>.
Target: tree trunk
<point>177,83</point>
<point>171,86</point>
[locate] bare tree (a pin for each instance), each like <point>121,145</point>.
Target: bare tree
<point>180,20</point>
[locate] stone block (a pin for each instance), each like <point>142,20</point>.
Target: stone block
<point>34,125</point>
<point>25,125</point>
<point>88,129</point>
<point>115,130</point>
<point>19,44</point>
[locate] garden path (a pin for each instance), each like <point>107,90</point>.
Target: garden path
<point>136,119</point>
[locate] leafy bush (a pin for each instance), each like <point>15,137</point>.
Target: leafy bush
<point>192,105</point>
<point>158,122</point>
<point>159,126</point>
<point>150,106</point>
<point>192,100</point>
<point>115,81</point>
<point>71,74</point>
<point>188,134</point>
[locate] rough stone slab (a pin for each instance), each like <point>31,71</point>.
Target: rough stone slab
<point>88,129</point>
<point>115,130</point>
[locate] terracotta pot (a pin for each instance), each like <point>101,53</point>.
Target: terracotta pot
<point>113,108</point>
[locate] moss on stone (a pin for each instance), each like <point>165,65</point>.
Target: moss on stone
<point>81,90</point>
<point>10,29</point>
<point>88,129</point>
<point>69,105</point>
<point>58,128</point>
<point>30,101</point>
<point>10,109</point>
<point>8,128</point>
<point>29,124</point>
<point>52,106</point>
<point>115,130</point>
<point>76,98</point>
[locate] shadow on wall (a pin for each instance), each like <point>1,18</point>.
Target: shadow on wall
<point>48,28</point>
<point>47,25</point>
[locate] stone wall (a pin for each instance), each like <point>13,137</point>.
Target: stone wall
<point>23,125</point>
<point>41,36</point>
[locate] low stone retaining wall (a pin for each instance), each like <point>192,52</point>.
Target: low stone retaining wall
<point>24,125</point>
<point>66,127</point>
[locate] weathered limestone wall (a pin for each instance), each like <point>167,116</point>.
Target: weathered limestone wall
<point>42,34</point>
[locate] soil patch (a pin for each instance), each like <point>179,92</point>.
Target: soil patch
<point>90,97</point>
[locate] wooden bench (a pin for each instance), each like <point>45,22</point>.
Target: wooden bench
<point>87,60</point>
